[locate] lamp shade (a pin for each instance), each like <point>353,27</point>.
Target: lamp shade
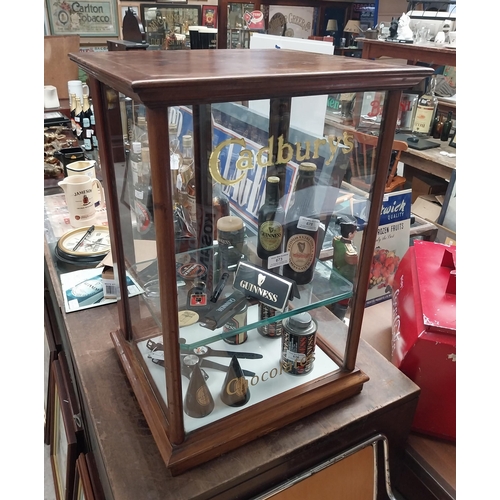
<point>352,27</point>
<point>331,25</point>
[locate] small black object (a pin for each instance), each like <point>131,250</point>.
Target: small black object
<point>235,391</point>
<point>412,138</point>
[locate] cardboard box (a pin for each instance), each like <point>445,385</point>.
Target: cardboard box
<point>427,207</point>
<point>424,333</point>
<point>427,184</point>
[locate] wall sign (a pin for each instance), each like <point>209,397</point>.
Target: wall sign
<point>85,18</point>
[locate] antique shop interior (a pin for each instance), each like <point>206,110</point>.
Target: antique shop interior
<point>250,249</point>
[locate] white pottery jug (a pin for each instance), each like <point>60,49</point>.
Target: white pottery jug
<point>79,194</point>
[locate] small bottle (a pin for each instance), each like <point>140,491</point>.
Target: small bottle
<point>87,128</point>
<point>437,127</point>
<point>270,222</point>
<point>72,107</point>
<point>426,110</point>
<point>79,119</point>
<point>301,228</point>
<point>175,159</point>
<point>92,124</point>
<point>445,133</point>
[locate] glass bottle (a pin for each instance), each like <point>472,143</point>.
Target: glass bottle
<point>92,124</point>
<point>270,222</point>
<point>187,190</point>
<point>175,159</point>
<point>72,107</point>
<point>87,128</point>
<point>78,119</point>
<point>301,228</point>
<point>426,110</point>
<point>437,127</point>
<point>445,133</point>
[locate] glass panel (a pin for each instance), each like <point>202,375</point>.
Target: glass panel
<point>278,207</point>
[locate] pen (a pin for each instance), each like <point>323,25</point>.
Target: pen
<point>90,230</point>
<point>220,286</point>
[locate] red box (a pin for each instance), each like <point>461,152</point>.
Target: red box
<point>424,333</point>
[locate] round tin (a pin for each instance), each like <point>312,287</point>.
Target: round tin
<point>192,271</point>
<point>298,344</point>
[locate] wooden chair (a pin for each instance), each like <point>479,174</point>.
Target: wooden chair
<point>362,161</point>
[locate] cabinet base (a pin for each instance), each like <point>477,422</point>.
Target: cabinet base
<point>220,437</point>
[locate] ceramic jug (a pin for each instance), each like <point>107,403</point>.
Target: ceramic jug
<point>79,193</point>
<point>86,167</point>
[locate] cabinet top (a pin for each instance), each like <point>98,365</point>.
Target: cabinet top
<point>162,77</point>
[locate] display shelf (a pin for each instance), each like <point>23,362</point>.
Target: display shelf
<point>147,210</point>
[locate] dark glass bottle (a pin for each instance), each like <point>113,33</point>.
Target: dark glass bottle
<point>92,124</point>
<point>79,119</point>
<point>445,133</point>
<point>301,228</point>
<point>72,107</point>
<point>86,125</point>
<point>437,127</point>
<point>270,222</point>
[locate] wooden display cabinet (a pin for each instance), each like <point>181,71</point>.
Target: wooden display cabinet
<point>246,124</point>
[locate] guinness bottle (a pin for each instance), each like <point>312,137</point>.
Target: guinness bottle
<point>270,222</point>
<point>87,128</point>
<point>301,228</point>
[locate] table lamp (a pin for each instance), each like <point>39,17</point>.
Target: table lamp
<point>331,28</point>
<point>351,27</point>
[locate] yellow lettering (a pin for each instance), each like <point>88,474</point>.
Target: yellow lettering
<point>317,144</point>
<point>281,146</point>
<point>348,141</point>
<point>262,377</point>
<point>213,163</point>
<point>245,160</point>
<point>307,153</point>
<point>266,150</point>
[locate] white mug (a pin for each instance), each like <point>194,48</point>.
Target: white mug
<point>79,193</point>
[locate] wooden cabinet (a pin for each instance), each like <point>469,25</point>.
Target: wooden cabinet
<point>216,97</point>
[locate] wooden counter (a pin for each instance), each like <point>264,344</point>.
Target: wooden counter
<point>130,465</point>
<point>431,54</point>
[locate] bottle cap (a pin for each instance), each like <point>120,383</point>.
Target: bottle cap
<point>273,179</point>
<point>307,167</point>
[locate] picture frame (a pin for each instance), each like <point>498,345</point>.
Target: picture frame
<point>87,483</point>
<point>209,16</point>
<point>63,435</point>
<point>87,18</point>
<point>50,354</point>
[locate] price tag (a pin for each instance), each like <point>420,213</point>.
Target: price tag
<point>308,224</point>
<point>278,260</point>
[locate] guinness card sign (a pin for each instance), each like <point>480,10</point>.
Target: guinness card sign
<point>270,289</point>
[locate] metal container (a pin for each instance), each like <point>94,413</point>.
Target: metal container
<point>298,344</point>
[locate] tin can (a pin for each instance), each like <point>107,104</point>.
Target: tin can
<point>274,329</point>
<point>237,321</point>
<point>298,344</point>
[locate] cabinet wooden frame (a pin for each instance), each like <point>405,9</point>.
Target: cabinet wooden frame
<point>63,436</point>
<point>233,78</point>
<point>50,355</point>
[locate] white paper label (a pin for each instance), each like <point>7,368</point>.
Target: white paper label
<point>308,224</point>
<point>280,259</point>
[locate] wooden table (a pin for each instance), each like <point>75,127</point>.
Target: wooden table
<point>431,54</point>
<point>430,161</point>
<point>128,460</point>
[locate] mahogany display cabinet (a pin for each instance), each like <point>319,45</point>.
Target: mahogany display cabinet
<point>251,114</point>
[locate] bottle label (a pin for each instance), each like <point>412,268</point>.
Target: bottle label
<point>308,224</point>
<point>191,202</point>
<point>270,235</point>
<point>302,250</point>
<point>92,119</point>
<point>423,119</point>
<point>86,123</point>
<point>87,144</point>
<point>143,218</point>
<point>94,140</point>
